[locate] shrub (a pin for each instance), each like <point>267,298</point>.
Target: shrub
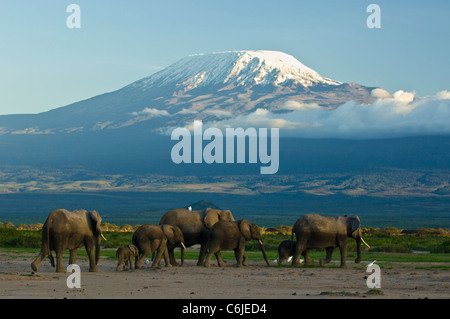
<point>443,247</point>
<point>11,237</point>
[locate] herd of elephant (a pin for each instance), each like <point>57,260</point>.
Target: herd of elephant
<point>214,230</point>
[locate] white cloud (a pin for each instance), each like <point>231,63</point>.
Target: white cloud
<point>397,115</point>
<point>299,106</point>
<point>187,111</point>
<point>218,113</point>
<point>151,112</point>
<point>380,93</point>
<point>443,95</point>
<point>258,118</point>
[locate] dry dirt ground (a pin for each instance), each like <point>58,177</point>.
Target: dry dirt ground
<point>257,281</point>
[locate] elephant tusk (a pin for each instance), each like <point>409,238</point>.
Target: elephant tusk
<point>365,243</point>
<point>260,242</point>
<point>183,245</point>
<point>102,236</point>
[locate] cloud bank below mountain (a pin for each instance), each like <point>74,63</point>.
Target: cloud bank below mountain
<point>400,114</point>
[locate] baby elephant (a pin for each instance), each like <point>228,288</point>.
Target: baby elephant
<point>125,256</point>
<point>227,235</point>
<point>285,250</point>
<point>150,238</point>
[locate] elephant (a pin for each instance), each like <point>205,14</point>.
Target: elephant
<point>70,230</point>
<point>150,238</point>
<point>286,249</point>
<point>125,256</point>
<point>195,226</point>
<point>316,231</point>
<point>226,235</point>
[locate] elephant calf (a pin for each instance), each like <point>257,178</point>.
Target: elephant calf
<point>125,255</point>
<point>285,250</point>
<point>150,238</point>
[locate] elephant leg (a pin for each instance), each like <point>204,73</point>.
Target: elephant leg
<point>73,256</point>
<point>281,258</point>
<point>35,264</point>
<point>343,251</point>
<point>157,261</point>
<point>244,259</point>
<point>300,248</point>
<point>90,252</point>
<point>130,262</point>
<point>239,257</point>
<point>207,262</point>
<point>201,256</point>
<point>216,252</point>
<point>220,261</point>
<point>243,256</point>
<point>171,255</point>
<point>307,255</point>
<point>166,258</point>
<point>329,251</point>
<point>140,259</point>
<point>59,259</point>
<point>239,252</point>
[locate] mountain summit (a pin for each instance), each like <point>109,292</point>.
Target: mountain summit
<point>236,68</point>
<point>209,87</point>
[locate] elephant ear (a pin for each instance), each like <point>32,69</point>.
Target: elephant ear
<point>169,232</point>
<point>178,234</point>
<point>245,228</point>
<point>211,217</point>
<point>226,215</point>
<point>355,223</point>
<point>134,249</point>
<point>95,216</point>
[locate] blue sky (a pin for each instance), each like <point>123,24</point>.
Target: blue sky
<point>44,64</point>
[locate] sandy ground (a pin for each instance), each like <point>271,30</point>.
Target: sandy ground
<point>256,281</point>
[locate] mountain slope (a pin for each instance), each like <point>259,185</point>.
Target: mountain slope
<point>235,68</point>
<point>205,86</point>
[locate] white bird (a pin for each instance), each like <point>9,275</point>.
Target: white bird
<point>189,208</point>
<point>371,264</point>
<point>289,260</point>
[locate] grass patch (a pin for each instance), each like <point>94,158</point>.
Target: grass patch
<point>340,293</point>
<point>385,248</point>
<point>371,292</point>
<point>436,267</point>
<point>375,292</point>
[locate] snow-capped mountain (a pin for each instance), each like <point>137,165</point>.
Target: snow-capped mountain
<point>203,86</point>
<point>120,132</point>
<point>233,69</point>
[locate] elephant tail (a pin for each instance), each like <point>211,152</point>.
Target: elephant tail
<point>52,261</point>
<point>46,251</point>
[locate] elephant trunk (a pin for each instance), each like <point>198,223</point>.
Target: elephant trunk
<point>182,253</point>
<point>97,249</point>
<point>358,250</point>
<point>263,250</point>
